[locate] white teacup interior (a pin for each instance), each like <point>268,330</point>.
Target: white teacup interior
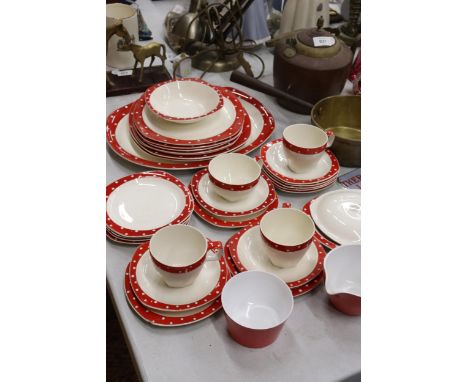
<point>257,300</point>
<point>305,136</point>
<point>234,169</point>
<point>178,245</point>
<point>184,99</point>
<point>287,226</point>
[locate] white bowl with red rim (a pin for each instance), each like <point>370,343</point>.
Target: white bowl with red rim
<point>288,233</point>
<point>342,268</point>
<point>304,145</point>
<point>178,253</point>
<point>256,305</point>
<point>233,176</point>
<point>184,100</point>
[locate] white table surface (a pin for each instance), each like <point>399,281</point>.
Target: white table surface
<point>317,343</point>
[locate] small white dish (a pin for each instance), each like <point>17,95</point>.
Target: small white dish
<point>250,252</point>
<point>184,100</point>
<point>338,215</point>
<point>233,176</point>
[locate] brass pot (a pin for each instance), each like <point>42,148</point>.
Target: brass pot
<point>342,115</point>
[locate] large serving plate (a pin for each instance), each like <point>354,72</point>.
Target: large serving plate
<point>262,195</point>
<point>338,215</point>
<point>274,160</point>
<point>167,319</point>
<point>153,292</point>
<point>139,204</point>
<point>249,252</point>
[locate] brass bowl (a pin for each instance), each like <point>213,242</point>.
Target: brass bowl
<point>342,115</point>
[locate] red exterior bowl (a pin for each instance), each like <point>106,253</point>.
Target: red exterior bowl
<point>256,305</point>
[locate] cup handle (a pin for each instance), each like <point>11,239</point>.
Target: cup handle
<point>216,247</point>
<point>331,138</point>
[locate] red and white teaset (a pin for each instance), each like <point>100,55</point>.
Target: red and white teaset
<point>177,276</point>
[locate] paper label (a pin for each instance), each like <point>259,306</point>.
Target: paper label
<point>351,179</point>
<point>121,73</point>
<point>324,41</point>
<point>179,9</point>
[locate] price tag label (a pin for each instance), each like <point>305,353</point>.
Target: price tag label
<point>324,41</point>
<point>121,73</point>
<point>179,9</point>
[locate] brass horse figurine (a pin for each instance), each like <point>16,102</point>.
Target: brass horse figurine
<point>141,53</point>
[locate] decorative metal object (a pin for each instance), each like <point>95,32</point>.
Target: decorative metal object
<point>141,53</point>
<point>211,34</point>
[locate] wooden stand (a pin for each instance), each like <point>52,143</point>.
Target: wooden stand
<point>130,84</point>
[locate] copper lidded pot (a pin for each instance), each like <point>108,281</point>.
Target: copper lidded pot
<point>311,65</point>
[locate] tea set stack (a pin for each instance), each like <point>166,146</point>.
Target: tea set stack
<point>177,276</point>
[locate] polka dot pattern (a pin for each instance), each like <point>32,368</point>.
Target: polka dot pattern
<point>296,291</point>
<point>234,240</point>
<point>155,304</point>
<point>335,167</point>
<point>162,319</point>
<point>219,222</point>
<point>194,187</point>
<point>155,109</point>
<point>268,120</point>
<point>136,119</point>
<point>125,231</point>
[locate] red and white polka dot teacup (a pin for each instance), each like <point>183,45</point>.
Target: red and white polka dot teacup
<point>304,145</point>
<point>179,251</point>
<point>288,233</point>
<point>233,176</point>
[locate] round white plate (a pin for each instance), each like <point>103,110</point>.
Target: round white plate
<point>145,203</point>
<point>165,318</point>
<point>151,283</point>
<point>338,215</point>
<point>252,254</point>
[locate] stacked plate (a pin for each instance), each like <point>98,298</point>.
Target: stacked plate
<point>219,212</point>
<point>140,204</point>
<point>182,124</point>
<point>320,176</point>
<point>246,251</point>
<point>161,305</point>
<point>337,217</point>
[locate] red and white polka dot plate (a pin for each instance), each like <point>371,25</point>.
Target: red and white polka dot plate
<point>144,274</point>
<point>261,197</point>
<point>168,319</point>
<point>132,191</point>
